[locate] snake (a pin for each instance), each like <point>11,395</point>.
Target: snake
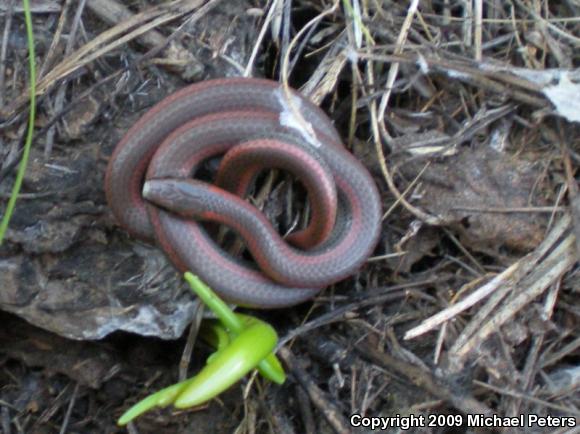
<point>255,124</point>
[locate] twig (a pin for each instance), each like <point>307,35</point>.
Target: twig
<point>337,314</point>
<point>471,75</point>
<point>3,49</point>
<point>377,124</point>
<point>37,7</point>
<point>285,69</point>
<point>323,80</point>
<point>524,209</point>
<point>329,410</point>
<point>191,339</point>
<point>454,310</point>
<point>563,352</point>
<point>260,38</point>
<point>69,409</point>
<point>572,39</point>
<point>176,54</point>
<point>305,411</point>
<point>573,195</point>
<point>113,13</point>
<point>478,28</point>
<point>394,69</point>
<point>527,264</point>
<point>59,99</point>
<point>5,415</point>
<point>425,380</point>
<point>524,291</point>
<point>528,398</point>
<point>52,50</point>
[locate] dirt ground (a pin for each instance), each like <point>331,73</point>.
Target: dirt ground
<point>465,318</point>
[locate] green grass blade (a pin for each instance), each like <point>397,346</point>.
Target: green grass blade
<point>31,115</point>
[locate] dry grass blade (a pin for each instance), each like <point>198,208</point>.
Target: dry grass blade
<point>107,41</point>
<point>533,275</point>
<point>505,282</point>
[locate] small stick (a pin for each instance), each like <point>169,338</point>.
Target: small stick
<point>423,379</point>
<point>329,409</point>
<point>7,25</point>
<point>477,29</point>
<point>191,339</point>
<point>48,59</point>
<point>69,409</point>
<point>573,197</point>
<point>263,30</point>
<point>59,99</point>
<point>547,272</point>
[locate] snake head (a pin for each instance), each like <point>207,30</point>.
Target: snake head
<point>185,197</point>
